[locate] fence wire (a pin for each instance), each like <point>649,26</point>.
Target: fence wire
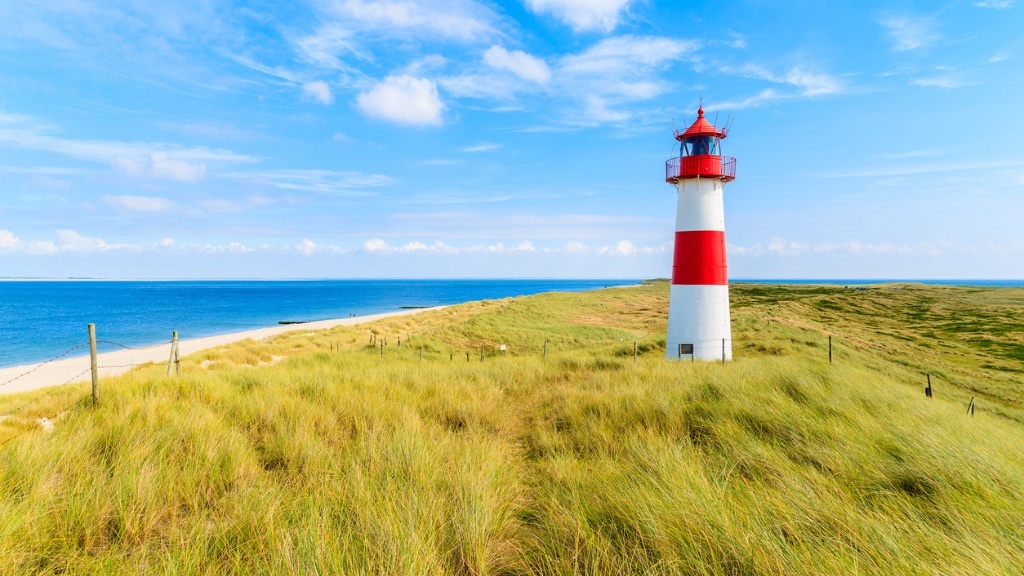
<point>41,364</point>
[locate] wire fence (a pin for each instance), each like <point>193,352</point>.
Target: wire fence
<point>94,368</point>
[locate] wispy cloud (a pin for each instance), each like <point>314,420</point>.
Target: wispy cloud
<point>946,81</point>
<point>997,4</point>
<point>148,204</point>
<point>148,159</point>
<point>67,241</point>
<point>482,147</point>
<point>330,182</point>
<point>910,32</point>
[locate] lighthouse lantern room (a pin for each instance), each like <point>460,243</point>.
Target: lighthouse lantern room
<point>698,316</point>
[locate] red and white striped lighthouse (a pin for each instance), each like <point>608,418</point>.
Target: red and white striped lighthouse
<point>698,311</point>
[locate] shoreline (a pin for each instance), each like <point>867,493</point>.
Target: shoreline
<point>64,371</point>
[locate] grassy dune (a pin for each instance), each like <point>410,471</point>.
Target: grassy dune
<point>292,457</point>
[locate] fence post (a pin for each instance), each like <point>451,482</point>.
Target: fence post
<point>829,348</point>
<point>177,359</point>
<point>170,359</point>
<point>467,356</point>
<point>481,353</point>
<point>928,390</point>
<point>634,350</point>
<point>545,349</point>
<point>970,408</point>
<point>92,362</point>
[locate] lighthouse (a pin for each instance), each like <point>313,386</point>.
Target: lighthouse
<point>698,310</point>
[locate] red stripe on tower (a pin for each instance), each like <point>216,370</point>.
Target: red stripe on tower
<point>699,258</point>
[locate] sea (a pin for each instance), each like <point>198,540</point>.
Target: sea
<point>40,319</point>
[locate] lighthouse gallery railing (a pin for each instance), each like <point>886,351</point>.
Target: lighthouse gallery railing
<point>723,167</point>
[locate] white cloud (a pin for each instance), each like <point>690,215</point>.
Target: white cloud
<point>403,100</point>
<point>320,91</point>
<point>308,247</point>
<point>519,63</point>
<point>621,248</point>
<point>524,246</point>
<point>376,245</point>
<point>583,15</point>
<point>67,241</point>
<point>166,243</point>
<point>435,248</point>
<point>576,247</point>
<point>790,248</point>
<point>482,147</point>
<point>909,33</point>
<point>139,203</point>
<point>997,4</point>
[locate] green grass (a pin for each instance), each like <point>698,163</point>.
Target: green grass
<point>289,457</point>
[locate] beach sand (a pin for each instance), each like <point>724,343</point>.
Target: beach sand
<point>77,369</point>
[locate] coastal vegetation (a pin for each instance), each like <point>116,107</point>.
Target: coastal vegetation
<point>324,453</point>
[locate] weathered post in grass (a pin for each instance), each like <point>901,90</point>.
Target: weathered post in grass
<point>928,390</point>
<point>399,342</point>
<point>467,356</point>
<point>92,363</point>
<point>634,350</point>
<point>382,350</point>
<point>545,349</point>
<point>829,348</point>
<point>451,357</point>
<point>481,353</point>
<point>177,360</point>
<point>170,359</point>
<point>970,408</point>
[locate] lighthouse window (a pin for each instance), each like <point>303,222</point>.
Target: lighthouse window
<point>699,145</point>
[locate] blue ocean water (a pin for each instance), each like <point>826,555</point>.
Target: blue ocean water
<point>40,319</point>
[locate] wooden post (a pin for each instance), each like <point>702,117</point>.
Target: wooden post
<point>451,357</point>
<point>481,353</point>
<point>545,349</point>
<point>177,360</point>
<point>170,360</point>
<point>928,390</point>
<point>970,408</point>
<point>92,363</point>
<point>382,350</point>
<point>634,350</point>
<point>399,342</point>
<point>829,348</point>
<point>467,356</point>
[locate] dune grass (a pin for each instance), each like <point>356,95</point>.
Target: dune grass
<point>314,454</point>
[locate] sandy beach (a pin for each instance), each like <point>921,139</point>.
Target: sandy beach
<point>76,369</point>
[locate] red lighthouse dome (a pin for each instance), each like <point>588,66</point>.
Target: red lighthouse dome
<point>700,153</point>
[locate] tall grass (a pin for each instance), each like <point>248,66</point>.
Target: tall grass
<point>582,462</point>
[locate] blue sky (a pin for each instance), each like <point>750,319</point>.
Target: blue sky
<point>409,138</point>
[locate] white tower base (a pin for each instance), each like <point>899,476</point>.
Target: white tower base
<point>699,315</point>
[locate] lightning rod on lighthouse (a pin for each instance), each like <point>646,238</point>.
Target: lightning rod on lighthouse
<point>698,312</point>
